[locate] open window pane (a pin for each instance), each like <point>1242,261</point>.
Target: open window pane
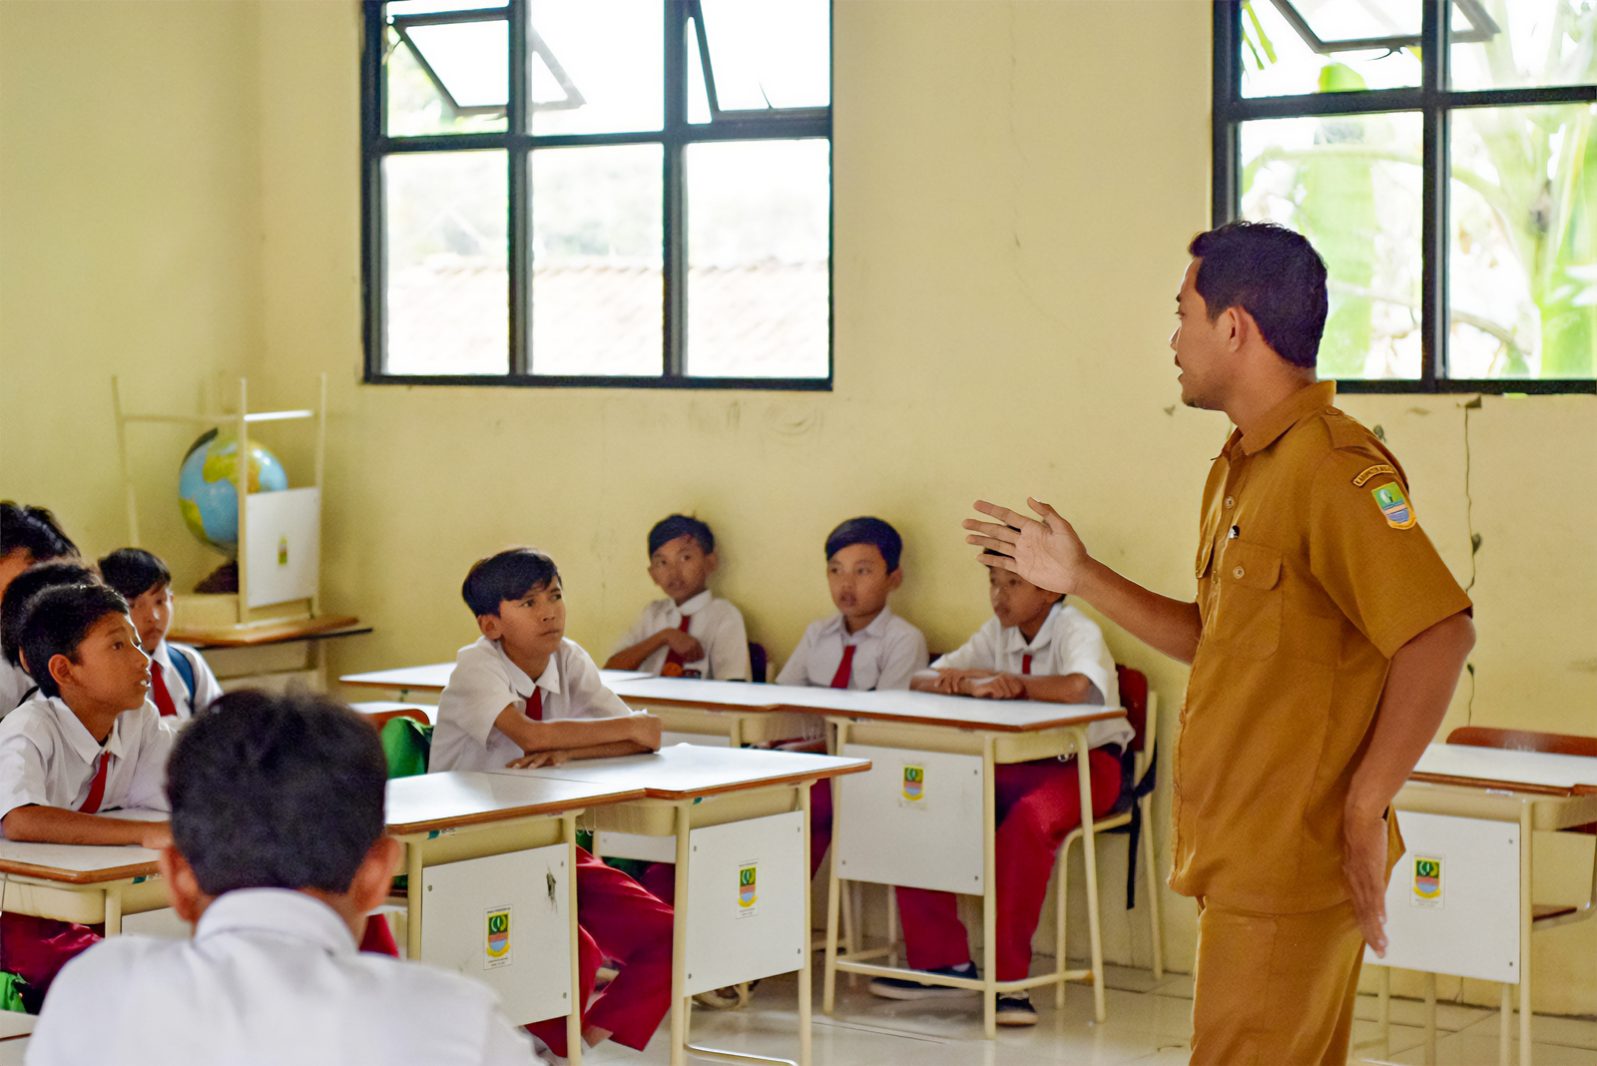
<point>445,302</point>
<point>417,94</point>
<point>1526,43</point>
<point>596,66</point>
<point>769,53</point>
<point>758,251</point>
<point>1352,186</point>
<point>1523,277</point>
<point>597,282</point>
<point>1279,59</point>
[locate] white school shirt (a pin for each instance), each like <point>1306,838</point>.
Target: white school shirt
<point>1068,643</point>
<point>206,687</point>
<point>887,653</point>
<point>48,759</point>
<point>15,682</point>
<point>716,624</point>
<point>271,977</point>
<point>485,682</point>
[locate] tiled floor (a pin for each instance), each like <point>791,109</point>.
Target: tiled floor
<point>1147,1024</point>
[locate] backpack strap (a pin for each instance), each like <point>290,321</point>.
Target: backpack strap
<point>183,664</point>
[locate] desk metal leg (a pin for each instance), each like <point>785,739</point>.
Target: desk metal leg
<point>413,900</point>
<point>1090,851</point>
<point>805,977</point>
<point>113,911</point>
<point>1526,836</point>
<point>679,944</point>
<point>833,900</point>
<point>1383,1009</point>
<point>1505,1018</point>
<point>578,998</point>
<point>989,907</point>
<point>1430,1019</point>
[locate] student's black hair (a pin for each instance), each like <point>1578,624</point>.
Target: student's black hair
<point>24,587</point>
<point>1273,274</point>
<point>509,575</point>
<point>680,525</point>
<point>55,621</point>
<point>133,572</point>
<point>33,530</point>
<point>276,790</point>
<point>867,531</point>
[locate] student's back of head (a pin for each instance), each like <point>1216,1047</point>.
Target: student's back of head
<point>33,530</point>
<point>276,791</point>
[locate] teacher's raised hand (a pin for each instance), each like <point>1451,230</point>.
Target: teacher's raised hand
<point>1044,550</point>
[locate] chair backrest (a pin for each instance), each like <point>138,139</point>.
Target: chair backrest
<point>378,719</point>
<point>1480,736</point>
<point>407,745</point>
<point>759,662</point>
<point>1134,698</point>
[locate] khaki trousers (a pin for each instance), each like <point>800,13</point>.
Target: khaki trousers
<point>1275,989</point>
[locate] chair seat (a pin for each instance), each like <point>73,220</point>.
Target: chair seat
<point>1102,825</point>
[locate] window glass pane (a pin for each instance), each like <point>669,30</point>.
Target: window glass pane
<point>416,101</point>
<point>770,53</point>
<point>445,301</point>
<point>1523,267</point>
<point>1525,43</point>
<point>1351,184</point>
<point>597,66</point>
<point>432,7</point>
<point>758,226</point>
<point>698,96</point>
<point>1277,60</point>
<point>597,282</point>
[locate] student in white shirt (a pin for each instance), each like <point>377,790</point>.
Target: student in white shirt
<point>278,854</point>
<point>523,695</point>
<point>16,685</point>
<point>87,743</point>
<point>1034,647</point>
<point>29,537</point>
<point>690,633</point>
<point>180,681</point>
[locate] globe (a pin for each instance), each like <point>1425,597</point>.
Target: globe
<point>205,486</point>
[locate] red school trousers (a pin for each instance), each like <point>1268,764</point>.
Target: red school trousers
<point>1039,803</point>
<point>617,919</point>
<point>35,949</point>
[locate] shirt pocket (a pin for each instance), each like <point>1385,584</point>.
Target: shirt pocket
<point>1248,613</point>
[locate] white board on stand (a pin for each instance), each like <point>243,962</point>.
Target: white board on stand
<point>282,545</point>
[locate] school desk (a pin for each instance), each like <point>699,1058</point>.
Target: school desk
<point>1459,901</point>
<point>925,816</point>
<point>85,883</point>
<point>434,676</point>
<point>15,1028</point>
<point>740,822</point>
<point>488,885</point>
<point>717,713</point>
<point>270,654</point>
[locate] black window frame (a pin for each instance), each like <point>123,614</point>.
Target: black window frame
<point>675,134</point>
<point>1435,104</point>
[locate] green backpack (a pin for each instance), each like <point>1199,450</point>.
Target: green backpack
<point>406,743</point>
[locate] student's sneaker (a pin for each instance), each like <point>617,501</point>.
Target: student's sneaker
<point>1014,1008</point>
<point>904,988</point>
<point>732,997</point>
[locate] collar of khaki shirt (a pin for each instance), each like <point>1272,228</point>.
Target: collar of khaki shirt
<point>1282,417</point>
<point>280,912</point>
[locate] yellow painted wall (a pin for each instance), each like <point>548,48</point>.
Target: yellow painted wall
<point>1015,183</point>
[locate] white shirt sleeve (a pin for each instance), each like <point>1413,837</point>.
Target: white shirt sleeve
<point>971,655</point>
<point>796,670</point>
<point>23,772</point>
<point>640,629</point>
<point>473,698</point>
<point>153,747</point>
<point>727,645</point>
<point>1080,649</point>
<point>503,1044</point>
<point>903,655</point>
<point>582,686</point>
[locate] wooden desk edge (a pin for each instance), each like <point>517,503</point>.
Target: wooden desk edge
<point>949,723</point>
<point>645,702</point>
<point>1499,785</point>
<point>767,782</point>
<point>390,686</point>
<point>553,808</point>
<point>13,868</point>
<point>269,632</point>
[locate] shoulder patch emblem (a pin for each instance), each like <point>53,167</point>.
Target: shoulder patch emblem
<point>1389,498</point>
<point>1369,472</point>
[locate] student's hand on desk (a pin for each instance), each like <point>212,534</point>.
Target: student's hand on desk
<point>1364,866</point>
<point>1047,553</point>
<point>157,835</point>
<point>534,759</point>
<point>684,644</point>
<point>998,687</point>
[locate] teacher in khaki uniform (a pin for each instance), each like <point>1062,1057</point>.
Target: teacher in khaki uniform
<point>1326,640</point>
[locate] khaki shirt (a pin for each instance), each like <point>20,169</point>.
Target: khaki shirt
<point>1312,572</point>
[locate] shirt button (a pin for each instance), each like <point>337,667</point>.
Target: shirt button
<point>1237,573</point>
<point>1230,502</point>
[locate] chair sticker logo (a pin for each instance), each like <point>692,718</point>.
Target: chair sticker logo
<point>496,949</point>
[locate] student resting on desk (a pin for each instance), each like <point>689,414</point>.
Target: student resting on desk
<point>864,646</point>
<point>88,742</point>
<point>1035,647</point>
<point>690,633</point>
<point>16,685</point>
<point>523,695</point>
<point>28,536</point>
<point>180,681</point>
<point>271,975</point>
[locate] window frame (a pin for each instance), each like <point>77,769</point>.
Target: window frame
<point>674,136</point>
<point>1435,103</point>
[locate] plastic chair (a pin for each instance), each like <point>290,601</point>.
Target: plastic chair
<point>1132,814</point>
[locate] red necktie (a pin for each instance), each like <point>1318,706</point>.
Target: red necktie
<point>1025,663</point>
<point>845,669</point>
<point>535,704</point>
<point>91,804</point>
<point>163,698</point>
<point>673,661</point>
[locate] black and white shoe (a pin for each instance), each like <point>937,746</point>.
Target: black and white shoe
<point>1014,1008</point>
<point>905,988</point>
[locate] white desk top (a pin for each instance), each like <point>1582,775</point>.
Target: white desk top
<point>1529,771</point>
<point>15,1025</point>
<point>434,676</point>
<point>688,770</point>
<point>462,798</point>
<point>697,692</point>
<point>82,864</point>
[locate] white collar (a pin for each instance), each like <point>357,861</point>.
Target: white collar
<point>279,912</point>
<point>77,734</point>
<point>549,680</point>
<point>1015,640</point>
<point>834,626</point>
<point>694,604</point>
